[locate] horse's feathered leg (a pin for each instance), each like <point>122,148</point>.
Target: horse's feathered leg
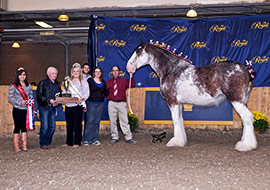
<point>248,140</point>
<point>180,138</point>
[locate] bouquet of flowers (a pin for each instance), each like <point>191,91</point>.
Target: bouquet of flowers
<point>261,122</point>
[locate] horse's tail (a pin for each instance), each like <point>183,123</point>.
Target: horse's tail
<point>247,93</point>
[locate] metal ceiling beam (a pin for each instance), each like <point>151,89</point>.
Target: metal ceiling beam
<point>45,29</point>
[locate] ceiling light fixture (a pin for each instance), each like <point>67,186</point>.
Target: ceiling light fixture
<point>192,13</point>
<point>43,24</point>
<point>63,18</point>
<point>47,33</point>
<point>16,45</point>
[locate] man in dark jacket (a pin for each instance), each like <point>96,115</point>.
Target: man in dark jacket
<point>46,91</point>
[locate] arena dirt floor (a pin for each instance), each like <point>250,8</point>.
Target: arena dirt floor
<point>208,162</point>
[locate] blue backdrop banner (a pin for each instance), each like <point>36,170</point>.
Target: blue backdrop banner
<point>205,42</point>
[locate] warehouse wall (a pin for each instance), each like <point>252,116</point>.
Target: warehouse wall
<point>36,58</point>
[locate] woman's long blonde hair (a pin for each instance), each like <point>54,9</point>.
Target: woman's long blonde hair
<point>76,65</point>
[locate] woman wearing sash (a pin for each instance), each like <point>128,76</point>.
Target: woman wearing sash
<point>19,94</point>
<point>78,87</point>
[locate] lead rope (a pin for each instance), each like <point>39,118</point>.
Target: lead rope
<point>129,86</point>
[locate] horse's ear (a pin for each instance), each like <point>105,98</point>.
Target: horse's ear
<point>142,43</point>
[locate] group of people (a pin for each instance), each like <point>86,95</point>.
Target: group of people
<point>90,92</point>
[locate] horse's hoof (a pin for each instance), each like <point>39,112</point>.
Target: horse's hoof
<point>243,146</point>
<point>175,142</point>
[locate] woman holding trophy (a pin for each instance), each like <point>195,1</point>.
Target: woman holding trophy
<point>78,88</point>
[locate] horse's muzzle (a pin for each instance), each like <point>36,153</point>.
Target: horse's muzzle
<point>131,68</point>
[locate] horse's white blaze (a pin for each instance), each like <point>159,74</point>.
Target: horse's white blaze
<point>138,61</point>
<point>133,60</point>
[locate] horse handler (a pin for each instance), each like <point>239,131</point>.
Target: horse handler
<point>116,88</point>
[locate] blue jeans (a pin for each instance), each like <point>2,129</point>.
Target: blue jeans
<point>94,112</point>
<point>47,119</point>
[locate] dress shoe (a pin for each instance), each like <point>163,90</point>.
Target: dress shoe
<point>50,146</point>
<point>131,141</point>
<point>113,141</point>
<point>44,147</point>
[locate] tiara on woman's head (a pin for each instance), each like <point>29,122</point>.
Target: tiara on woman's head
<point>21,68</point>
<point>76,65</point>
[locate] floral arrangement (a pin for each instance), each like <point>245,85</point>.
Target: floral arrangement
<point>133,121</point>
<point>261,122</point>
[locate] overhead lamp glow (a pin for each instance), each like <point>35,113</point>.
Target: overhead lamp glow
<point>192,13</point>
<point>16,45</point>
<point>47,33</point>
<point>43,24</point>
<point>63,18</point>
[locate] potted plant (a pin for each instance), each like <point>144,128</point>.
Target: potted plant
<point>261,122</point>
<point>133,121</point>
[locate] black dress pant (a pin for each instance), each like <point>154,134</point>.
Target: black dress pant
<point>19,117</point>
<point>74,125</point>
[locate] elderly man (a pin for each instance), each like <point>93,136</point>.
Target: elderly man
<point>116,88</point>
<point>46,91</point>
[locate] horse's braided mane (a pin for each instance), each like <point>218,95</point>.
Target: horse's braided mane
<point>163,47</point>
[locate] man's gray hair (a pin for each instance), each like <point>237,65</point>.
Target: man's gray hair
<point>49,70</point>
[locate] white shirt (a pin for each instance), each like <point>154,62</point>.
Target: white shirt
<point>82,87</point>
